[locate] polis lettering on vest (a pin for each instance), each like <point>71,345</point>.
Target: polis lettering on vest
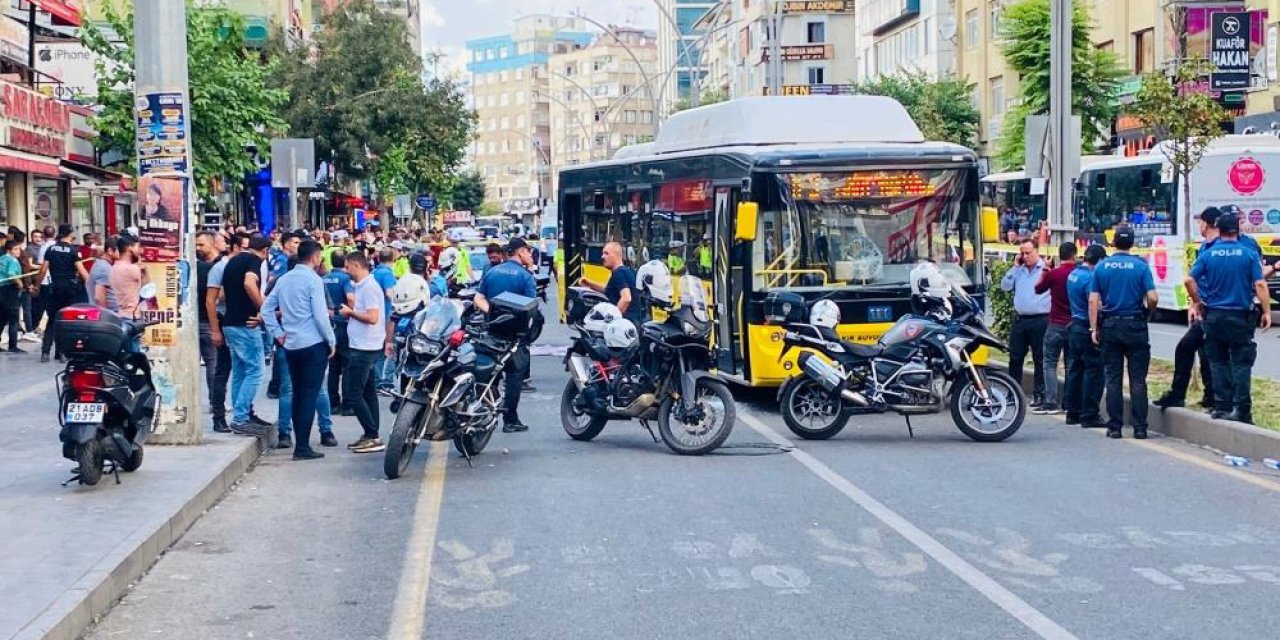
<point>1118,265</point>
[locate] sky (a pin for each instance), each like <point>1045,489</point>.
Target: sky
<point>448,24</point>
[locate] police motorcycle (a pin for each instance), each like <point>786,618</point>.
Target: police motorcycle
<point>660,372</point>
<point>107,402</point>
<point>452,374</point>
<point>408,297</point>
<point>922,365</point>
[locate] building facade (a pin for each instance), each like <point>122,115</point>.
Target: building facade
<point>601,98</point>
<point>510,90</point>
<point>916,35</point>
<point>680,47</point>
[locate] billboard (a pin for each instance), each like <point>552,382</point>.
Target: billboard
<point>72,65</point>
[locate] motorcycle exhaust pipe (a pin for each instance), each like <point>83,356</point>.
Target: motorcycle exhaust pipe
<point>830,379</point>
<point>579,370</point>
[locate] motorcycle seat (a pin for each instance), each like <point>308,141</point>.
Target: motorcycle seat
<point>862,350</point>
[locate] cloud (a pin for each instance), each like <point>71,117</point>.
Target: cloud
<point>431,18</point>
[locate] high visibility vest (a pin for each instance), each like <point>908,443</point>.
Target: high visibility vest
<point>675,263</point>
<point>704,257</point>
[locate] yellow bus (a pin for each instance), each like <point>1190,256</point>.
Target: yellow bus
<point>831,197</point>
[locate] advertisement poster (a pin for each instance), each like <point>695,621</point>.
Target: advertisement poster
<point>1251,183</point>
<point>160,215</point>
<point>164,309</point>
<point>1229,51</point>
<point>1190,30</point>
<point>162,133</point>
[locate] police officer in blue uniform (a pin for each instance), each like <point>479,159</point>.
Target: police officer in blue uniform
<point>512,276</point>
<point>1222,286</point>
<point>1121,295</point>
<point>1083,393</point>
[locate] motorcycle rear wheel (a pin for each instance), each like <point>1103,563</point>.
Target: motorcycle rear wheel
<point>401,445</point>
<point>89,457</point>
<point>134,461</point>
<point>579,426</point>
<point>713,398</point>
<point>810,411</point>
<point>992,422</point>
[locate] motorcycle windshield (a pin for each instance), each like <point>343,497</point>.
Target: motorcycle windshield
<point>438,320</point>
<point>694,296</point>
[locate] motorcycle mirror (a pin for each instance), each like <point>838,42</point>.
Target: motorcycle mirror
<point>147,292</point>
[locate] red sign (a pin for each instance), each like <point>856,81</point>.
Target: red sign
<point>29,107</point>
<point>1246,176</point>
<point>37,143</point>
<point>692,196</point>
<point>67,11</point>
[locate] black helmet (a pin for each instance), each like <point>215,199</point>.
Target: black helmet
<point>418,264</point>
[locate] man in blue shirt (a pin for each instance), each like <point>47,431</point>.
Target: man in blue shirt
<point>1122,291</point>
<point>337,289</point>
<point>1083,393</point>
<point>1031,318</point>
<point>386,279</point>
<point>279,262</point>
<point>511,276</point>
<point>1222,286</point>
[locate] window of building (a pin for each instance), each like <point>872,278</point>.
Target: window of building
<point>571,70</point>
<point>996,92</point>
<point>519,97</point>
<point>927,39</point>
<point>506,122</point>
<point>599,115</point>
<point>520,74</point>
<point>646,117</point>
<point>600,141</point>
<point>994,25</point>
<point>504,99</point>
<point>629,117</point>
<point>600,90</point>
<point>520,122</point>
<point>600,63</point>
<point>817,75</point>
<point>817,32</point>
<point>1144,51</point>
<point>502,76</point>
<point>971,34</point>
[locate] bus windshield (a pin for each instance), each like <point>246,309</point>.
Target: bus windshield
<point>869,228</point>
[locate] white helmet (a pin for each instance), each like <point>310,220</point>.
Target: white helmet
<point>654,279</point>
<point>928,281</point>
<point>409,294</point>
<point>599,317</point>
<point>448,258</point>
<point>620,334</point>
<point>825,313</point>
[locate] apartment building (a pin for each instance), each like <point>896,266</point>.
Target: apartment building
<point>602,97</point>
<point>680,48</point>
<point>917,35</point>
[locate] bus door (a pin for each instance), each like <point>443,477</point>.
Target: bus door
<point>636,212</point>
<point>727,280</point>
<point>571,243</point>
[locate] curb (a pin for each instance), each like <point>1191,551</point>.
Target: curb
<point>85,602</point>
<point>1235,438</point>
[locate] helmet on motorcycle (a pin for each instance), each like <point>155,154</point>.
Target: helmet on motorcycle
<point>931,287</point>
<point>654,279</point>
<point>620,334</point>
<point>409,294</point>
<point>599,317</point>
<point>825,313</point>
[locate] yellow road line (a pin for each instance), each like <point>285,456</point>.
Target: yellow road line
<point>409,615</point>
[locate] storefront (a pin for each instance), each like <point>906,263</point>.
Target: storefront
<point>33,141</point>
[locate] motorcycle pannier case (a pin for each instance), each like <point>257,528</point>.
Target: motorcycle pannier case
<point>580,303</point>
<point>84,329</point>
<point>519,307</point>
<point>785,307</point>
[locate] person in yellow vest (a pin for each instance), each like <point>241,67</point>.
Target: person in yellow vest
<point>704,256</point>
<point>675,258</point>
<point>557,260</point>
<point>464,265</point>
<point>400,265</point>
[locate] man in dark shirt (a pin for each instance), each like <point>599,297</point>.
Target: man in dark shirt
<point>209,247</point>
<point>64,283</point>
<point>511,276</point>
<point>1056,334</point>
<point>242,290</point>
<point>621,288</point>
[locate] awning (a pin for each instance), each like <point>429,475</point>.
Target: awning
<point>94,173</point>
<point>21,162</point>
<point>62,11</point>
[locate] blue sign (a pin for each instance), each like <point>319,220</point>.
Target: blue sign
<point>161,133</point>
<point>426,202</point>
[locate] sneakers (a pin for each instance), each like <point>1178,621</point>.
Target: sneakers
<point>1046,410</point>
<point>286,441</point>
<point>30,336</point>
<point>256,419</point>
<point>1140,434</point>
<point>360,442</point>
<point>249,429</point>
<point>307,455</point>
<point>514,427</point>
<point>1114,433</point>
<point>220,425</point>
<point>327,440</point>
<point>371,445</point>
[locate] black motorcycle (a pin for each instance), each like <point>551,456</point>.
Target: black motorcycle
<point>665,374</point>
<point>923,364</point>
<point>107,403</point>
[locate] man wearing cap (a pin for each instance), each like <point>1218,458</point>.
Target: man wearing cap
<point>1193,340</point>
<point>1122,293</point>
<point>1222,286</point>
<point>511,276</point>
<point>1032,316</point>
<point>1083,392</point>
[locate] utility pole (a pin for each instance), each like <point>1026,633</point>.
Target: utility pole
<point>161,78</point>
<point>775,68</point>
<point>1064,143</point>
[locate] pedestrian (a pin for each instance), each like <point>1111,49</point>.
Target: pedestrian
<point>621,288</point>
<point>387,281</point>
<point>365,313</point>
<point>216,309</point>
<point>1083,392</point>
<point>1222,286</point>
<point>1122,293</point>
<point>1057,331</point>
<point>304,331</point>
<point>58,268</point>
<point>1031,316</point>
<point>27,330</point>
<point>338,288</point>
<point>704,256</point>
<point>511,276</point>
<point>98,284</point>
<point>279,262</point>
<point>241,289</point>
<point>10,286</point>
<point>209,250</point>
<point>127,277</point>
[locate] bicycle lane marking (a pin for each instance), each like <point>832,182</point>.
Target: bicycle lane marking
<point>1029,616</point>
<point>408,614</point>
<point>25,393</point>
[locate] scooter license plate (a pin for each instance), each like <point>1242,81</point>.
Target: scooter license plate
<point>85,412</point>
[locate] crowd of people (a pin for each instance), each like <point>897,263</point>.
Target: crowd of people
<point>1092,311</point>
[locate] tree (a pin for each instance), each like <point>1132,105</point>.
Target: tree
<point>231,105</point>
<point>1175,110</point>
<point>1095,76</point>
<point>468,191</point>
<point>943,109</point>
<point>704,99</point>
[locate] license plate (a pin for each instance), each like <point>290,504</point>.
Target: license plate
<point>85,412</point>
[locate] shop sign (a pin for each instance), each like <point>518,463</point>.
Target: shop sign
<point>34,123</point>
<point>72,65</point>
<point>817,6</point>
<point>1229,51</point>
<point>813,90</point>
<point>67,11</point>
<point>458,217</point>
<point>804,52</point>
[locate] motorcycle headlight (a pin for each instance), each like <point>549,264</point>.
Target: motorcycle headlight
<point>421,346</point>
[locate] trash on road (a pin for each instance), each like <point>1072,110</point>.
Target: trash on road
<point>1271,463</point>
<point>1236,461</point>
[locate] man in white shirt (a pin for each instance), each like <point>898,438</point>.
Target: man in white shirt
<point>366,333</point>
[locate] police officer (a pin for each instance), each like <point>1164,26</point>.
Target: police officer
<point>1121,285</point>
<point>59,263</point>
<point>1083,393</point>
<point>1222,286</point>
<point>511,276</point>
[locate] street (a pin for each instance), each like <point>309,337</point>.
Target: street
<point>1057,533</point>
<point>1165,336</point>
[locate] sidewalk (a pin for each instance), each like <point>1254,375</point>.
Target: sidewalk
<point>71,552</point>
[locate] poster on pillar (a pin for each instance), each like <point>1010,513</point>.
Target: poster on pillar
<point>162,312</point>
<point>160,218</point>
<point>162,133</point>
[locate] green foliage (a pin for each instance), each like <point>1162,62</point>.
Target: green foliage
<point>1001,300</point>
<point>1188,120</point>
<point>468,191</point>
<point>705,98</point>
<point>357,90</point>
<point>1095,76</point>
<point>943,109</point>
<point>231,105</point>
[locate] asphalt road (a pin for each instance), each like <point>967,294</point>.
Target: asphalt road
<point>1056,533</point>
<point>1165,337</point>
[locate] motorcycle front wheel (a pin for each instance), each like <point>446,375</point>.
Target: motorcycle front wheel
<point>402,443</point>
<point>990,420</point>
<point>706,427</point>
<point>578,424</point>
<point>810,411</point>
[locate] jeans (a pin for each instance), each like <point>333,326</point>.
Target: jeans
<point>338,367</point>
<point>245,344</point>
<point>306,377</point>
<point>1232,353</point>
<point>1184,356</point>
<point>320,399</point>
<point>1126,340</point>
<point>1028,332</point>
<point>9,313</point>
<point>517,370</point>
<point>217,368</point>
<point>1056,348</point>
<point>1083,393</point>
<point>55,300</point>
<point>361,390</point>
<point>24,302</point>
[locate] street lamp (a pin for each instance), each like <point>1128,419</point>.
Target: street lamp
<point>595,108</point>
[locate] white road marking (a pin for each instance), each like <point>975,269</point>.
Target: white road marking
<point>1028,615</point>
<point>409,614</point>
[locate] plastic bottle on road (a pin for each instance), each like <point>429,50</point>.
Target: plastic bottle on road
<point>1271,463</point>
<point>1236,461</point>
